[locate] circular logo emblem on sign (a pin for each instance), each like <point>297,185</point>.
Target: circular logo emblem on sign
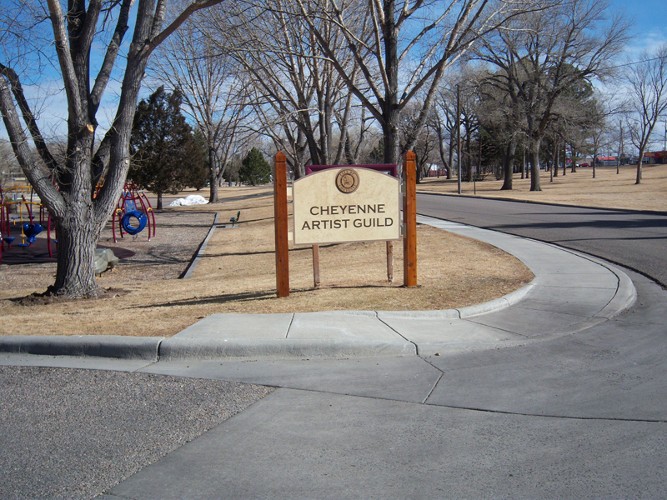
<point>347,181</point>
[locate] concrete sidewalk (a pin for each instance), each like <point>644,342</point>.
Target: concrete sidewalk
<point>570,292</point>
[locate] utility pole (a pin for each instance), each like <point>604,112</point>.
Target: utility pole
<point>620,148</point>
<point>458,133</point>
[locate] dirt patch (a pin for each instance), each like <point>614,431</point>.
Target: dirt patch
<point>236,273</point>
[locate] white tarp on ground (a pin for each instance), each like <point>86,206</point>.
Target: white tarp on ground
<point>193,199</point>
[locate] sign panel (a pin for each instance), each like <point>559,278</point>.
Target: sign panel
<point>345,204</point>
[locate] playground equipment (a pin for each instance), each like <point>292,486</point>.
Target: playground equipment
<point>133,214</point>
<point>23,217</point>
<point>17,215</point>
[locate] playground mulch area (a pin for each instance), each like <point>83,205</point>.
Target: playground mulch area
<point>236,273</point>
<point>179,234</point>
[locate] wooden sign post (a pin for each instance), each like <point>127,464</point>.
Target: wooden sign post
<point>281,224</point>
<point>410,218</point>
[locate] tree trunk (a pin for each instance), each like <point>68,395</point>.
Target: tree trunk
<point>508,165</point>
<point>535,167</point>
<point>447,163</point>
<point>469,175</point>
<point>299,169</point>
<point>620,150</point>
<point>213,196</point>
<point>638,178</point>
<point>391,138</point>
<point>557,159</point>
<point>523,163</point>
<point>159,201</point>
<point>390,110</point>
<point>450,163</point>
<point>212,177</point>
<point>75,274</point>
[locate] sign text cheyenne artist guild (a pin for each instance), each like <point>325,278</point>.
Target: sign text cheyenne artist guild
<point>380,209</point>
<point>343,204</point>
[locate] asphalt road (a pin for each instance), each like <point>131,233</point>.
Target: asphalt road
<point>73,433</point>
<point>637,240</point>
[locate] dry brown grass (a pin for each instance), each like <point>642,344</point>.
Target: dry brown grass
<point>607,190</point>
<point>237,274</point>
<point>237,271</point>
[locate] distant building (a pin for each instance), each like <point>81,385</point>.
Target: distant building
<point>655,157</point>
<point>435,170</point>
<point>606,161</point>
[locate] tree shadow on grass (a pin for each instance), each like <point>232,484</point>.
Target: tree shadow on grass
<point>260,295</point>
<point>240,222</point>
<point>217,299</point>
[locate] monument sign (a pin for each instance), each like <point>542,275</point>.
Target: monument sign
<point>344,204</point>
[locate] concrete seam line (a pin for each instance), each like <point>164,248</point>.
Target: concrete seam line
<point>440,377</point>
<point>289,327</point>
<point>377,316</point>
<point>158,349</point>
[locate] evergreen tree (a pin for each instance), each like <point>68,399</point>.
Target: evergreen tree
<point>197,175</point>
<point>255,169</point>
<point>164,150</point>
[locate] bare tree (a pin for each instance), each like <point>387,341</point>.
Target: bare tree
<point>403,49</point>
<point>427,144</point>
<point>648,88</point>
<point>600,110</point>
<point>9,169</point>
<point>499,98</point>
<point>213,94</point>
<point>444,122</point>
<point>542,54</point>
<point>68,188</point>
<point>293,82</point>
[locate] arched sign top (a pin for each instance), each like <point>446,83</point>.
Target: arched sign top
<point>389,168</point>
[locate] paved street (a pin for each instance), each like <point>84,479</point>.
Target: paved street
<point>560,393</point>
<point>636,240</point>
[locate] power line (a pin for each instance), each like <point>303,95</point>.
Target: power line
<point>632,63</point>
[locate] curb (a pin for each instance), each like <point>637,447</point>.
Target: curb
<point>197,342</point>
<point>104,346</point>
<point>498,304</point>
<point>179,349</point>
<point>625,297</point>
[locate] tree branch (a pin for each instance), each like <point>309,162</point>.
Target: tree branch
<point>180,19</point>
<point>63,51</point>
<point>38,175</point>
<point>28,117</point>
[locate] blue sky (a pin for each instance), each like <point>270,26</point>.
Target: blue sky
<point>649,19</point>
<point>649,30</point>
